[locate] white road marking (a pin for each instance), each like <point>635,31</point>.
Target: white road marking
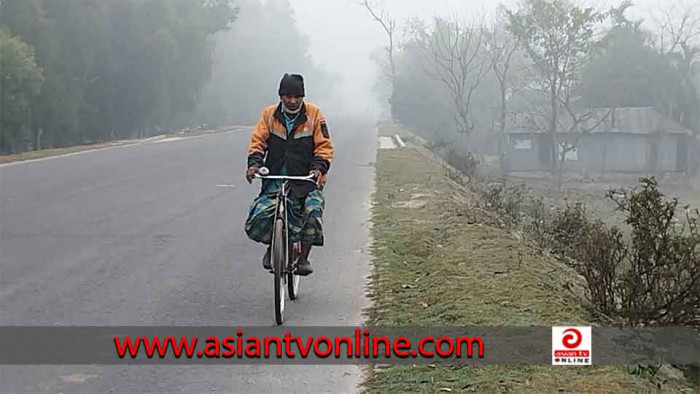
<point>171,139</point>
<point>222,185</point>
<point>386,143</point>
<point>77,378</point>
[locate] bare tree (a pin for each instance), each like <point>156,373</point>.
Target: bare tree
<point>580,122</point>
<point>502,46</point>
<point>558,38</point>
<point>574,122</point>
<point>455,55</point>
<point>678,26</point>
<point>388,24</point>
<point>678,39</point>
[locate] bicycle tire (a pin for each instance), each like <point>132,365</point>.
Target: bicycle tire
<point>278,263</point>
<point>293,281</point>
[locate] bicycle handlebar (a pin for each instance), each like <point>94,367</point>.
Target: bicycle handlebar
<point>308,178</point>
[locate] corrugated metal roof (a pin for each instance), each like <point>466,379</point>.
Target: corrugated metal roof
<point>632,120</point>
<point>644,120</point>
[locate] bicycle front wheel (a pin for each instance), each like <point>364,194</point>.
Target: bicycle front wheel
<point>279,254</point>
<point>293,281</point>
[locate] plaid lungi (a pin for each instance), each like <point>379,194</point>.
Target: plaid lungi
<point>305,218</point>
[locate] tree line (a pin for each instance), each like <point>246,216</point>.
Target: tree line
<point>75,72</point>
<point>252,55</point>
<point>550,62</point>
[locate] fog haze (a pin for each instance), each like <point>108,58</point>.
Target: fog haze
<point>343,35</point>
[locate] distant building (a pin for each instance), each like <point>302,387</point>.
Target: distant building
<point>635,140</point>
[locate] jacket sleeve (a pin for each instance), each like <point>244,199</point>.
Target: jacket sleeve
<point>323,147</point>
<point>258,142</point>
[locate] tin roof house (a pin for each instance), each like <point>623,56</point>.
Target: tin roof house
<point>634,140</point>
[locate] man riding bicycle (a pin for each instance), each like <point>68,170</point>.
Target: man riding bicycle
<point>291,139</point>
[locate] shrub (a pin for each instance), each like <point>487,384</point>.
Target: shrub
<point>467,163</point>
<point>568,228</point>
<point>603,252</point>
<point>502,197</point>
<point>538,220</point>
<point>662,283</point>
<point>652,279</point>
<point>595,251</point>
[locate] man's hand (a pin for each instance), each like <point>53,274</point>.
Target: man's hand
<point>317,175</point>
<point>250,174</point>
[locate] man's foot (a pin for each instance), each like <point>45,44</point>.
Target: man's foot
<point>267,264</point>
<point>304,267</point>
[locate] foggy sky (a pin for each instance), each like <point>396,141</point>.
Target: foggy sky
<point>343,35</point>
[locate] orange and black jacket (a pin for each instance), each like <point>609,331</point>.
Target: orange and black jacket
<point>309,146</point>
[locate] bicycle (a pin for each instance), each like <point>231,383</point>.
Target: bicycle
<point>284,256</point>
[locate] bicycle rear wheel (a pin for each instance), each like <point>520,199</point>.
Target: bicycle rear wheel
<point>279,263</point>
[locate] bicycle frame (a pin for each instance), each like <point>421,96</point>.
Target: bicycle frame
<point>283,270</point>
<point>282,208</point>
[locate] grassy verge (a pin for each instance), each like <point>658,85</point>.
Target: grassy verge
<point>32,155</point>
<point>441,261</point>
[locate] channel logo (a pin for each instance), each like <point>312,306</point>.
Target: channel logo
<point>571,346</point>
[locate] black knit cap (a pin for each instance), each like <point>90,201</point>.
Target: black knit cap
<point>293,85</point>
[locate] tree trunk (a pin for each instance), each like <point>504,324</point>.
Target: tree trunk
<point>39,134</point>
<point>555,166</point>
<point>560,161</point>
<point>502,130</point>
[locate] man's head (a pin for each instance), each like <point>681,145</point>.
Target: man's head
<point>292,92</point>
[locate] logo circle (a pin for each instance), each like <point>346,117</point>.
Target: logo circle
<point>572,339</point>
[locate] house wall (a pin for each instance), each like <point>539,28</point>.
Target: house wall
<point>694,154</point>
<point>613,152</point>
<point>669,154</point>
<point>520,157</point>
<point>623,152</point>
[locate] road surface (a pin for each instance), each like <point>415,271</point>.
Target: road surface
<point>152,234</point>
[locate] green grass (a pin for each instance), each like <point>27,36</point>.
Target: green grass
<point>439,260</point>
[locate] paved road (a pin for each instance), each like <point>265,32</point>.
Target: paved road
<point>151,234</point>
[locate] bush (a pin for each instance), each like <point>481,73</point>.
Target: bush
<point>603,252</point>
<point>467,163</point>
<point>568,228</point>
<point>437,145</point>
<point>595,251</point>
<point>662,283</point>
<point>652,279</point>
<point>536,212</point>
<point>503,198</point>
